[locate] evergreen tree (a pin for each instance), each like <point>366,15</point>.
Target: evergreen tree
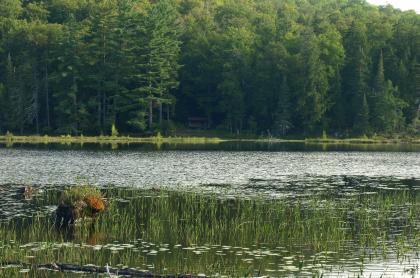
<point>155,61</point>
<point>355,73</point>
<point>69,102</point>
<point>313,100</point>
<point>282,122</point>
<point>73,67</point>
<point>379,103</point>
<point>361,126</point>
<point>386,114</point>
<point>16,111</point>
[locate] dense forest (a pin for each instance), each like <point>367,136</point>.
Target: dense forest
<point>275,67</point>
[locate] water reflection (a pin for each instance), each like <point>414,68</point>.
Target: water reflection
<point>224,146</point>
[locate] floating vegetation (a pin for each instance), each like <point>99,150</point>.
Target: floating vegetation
<point>167,232</point>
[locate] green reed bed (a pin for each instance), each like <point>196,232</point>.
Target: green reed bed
<point>175,232</point>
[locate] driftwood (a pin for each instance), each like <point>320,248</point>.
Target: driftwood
<point>64,267</point>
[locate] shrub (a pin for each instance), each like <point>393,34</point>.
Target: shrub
<point>114,131</point>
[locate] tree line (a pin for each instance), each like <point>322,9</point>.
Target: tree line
<point>277,67</point>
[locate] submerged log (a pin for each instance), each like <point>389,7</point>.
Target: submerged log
<point>65,267</point>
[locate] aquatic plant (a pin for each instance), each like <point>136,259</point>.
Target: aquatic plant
<point>80,193</point>
<point>183,232</point>
<point>79,202</point>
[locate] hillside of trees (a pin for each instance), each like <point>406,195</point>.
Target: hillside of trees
<point>247,66</point>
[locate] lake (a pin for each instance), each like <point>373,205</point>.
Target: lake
<point>231,209</point>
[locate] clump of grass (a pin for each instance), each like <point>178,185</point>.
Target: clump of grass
<point>80,193</point>
<point>79,202</point>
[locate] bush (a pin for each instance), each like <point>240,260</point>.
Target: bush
<point>114,131</point>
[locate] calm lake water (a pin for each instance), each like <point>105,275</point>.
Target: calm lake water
<point>220,210</point>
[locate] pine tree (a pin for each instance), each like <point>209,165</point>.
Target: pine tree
<point>361,126</point>
<point>16,112</point>
<point>361,123</point>
<point>379,103</point>
<point>69,103</point>
<point>416,119</point>
<point>313,99</point>
<point>154,61</point>
<point>387,115</point>
<point>282,122</point>
<point>103,49</point>
<point>355,73</point>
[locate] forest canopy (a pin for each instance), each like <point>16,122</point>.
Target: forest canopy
<point>246,66</point>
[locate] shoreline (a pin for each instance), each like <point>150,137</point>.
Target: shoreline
<point>37,139</point>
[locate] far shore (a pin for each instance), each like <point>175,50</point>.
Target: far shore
<point>67,139</point>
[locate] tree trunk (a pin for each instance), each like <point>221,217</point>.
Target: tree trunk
<point>21,110</point>
<point>99,110</point>
<point>150,114</point>
<point>104,105</point>
<point>75,118</point>
<point>160,113</point>
<point>35,99</point>
<point>114,112</point>
<point>47,97</point>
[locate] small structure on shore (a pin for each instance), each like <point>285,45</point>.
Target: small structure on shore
<point>79,202</point>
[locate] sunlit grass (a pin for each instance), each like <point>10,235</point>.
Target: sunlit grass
<point>10,139</point>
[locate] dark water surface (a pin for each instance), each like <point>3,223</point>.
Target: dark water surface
<point>229,210</point>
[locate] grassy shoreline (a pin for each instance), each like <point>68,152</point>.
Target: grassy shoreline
<point>37,139</point>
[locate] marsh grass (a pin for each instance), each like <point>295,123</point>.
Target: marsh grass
<point>178,232</point>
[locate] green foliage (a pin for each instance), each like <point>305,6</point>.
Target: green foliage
<point>73,67</point>
<point>282,121</point>
<point>361,124</point>
<point>114,131</point>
